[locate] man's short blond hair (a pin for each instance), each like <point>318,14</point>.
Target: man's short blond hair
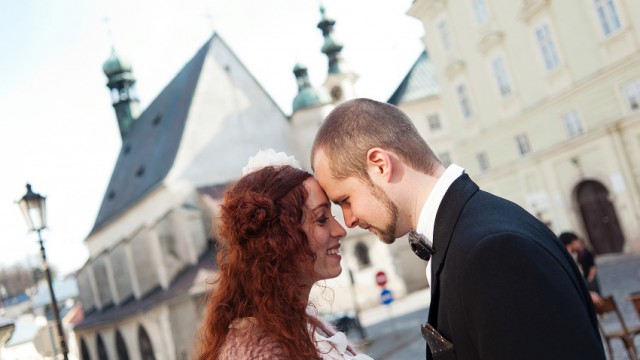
<point>354,127</point>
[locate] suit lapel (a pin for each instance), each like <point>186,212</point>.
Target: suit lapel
<point>449,211</point>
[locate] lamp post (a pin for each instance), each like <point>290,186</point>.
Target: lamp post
<point>33,208</point>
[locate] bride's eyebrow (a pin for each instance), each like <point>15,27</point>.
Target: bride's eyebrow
<point>323,205</point>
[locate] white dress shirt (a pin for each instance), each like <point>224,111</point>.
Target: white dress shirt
<point>430,208</point>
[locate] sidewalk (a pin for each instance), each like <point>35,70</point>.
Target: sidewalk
<point>393,331</point>
<point>410,303</point>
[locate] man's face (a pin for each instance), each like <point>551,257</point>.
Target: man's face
<point>363,204</point>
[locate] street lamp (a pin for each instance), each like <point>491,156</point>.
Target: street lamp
<point>33,208</point>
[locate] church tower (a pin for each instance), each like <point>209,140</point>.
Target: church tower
<point>309,107</point>
<point>123,95</point>
<point>340,79</point>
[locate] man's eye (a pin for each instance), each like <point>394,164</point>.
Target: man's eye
<point>323,219</point>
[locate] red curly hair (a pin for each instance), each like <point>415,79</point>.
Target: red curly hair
<point>264,253</point>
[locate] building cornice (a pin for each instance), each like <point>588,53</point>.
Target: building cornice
<point>430,8</point>
<point>490,39</point>
<point>532,7</point>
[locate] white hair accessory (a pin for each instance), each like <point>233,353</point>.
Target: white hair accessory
<point>269,157</point>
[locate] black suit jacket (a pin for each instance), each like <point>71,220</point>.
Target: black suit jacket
<point>503,286</point>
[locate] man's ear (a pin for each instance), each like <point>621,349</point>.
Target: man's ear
<point>379,164</point>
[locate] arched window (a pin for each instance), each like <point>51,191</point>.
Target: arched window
<point>84,352</point>
<point>362,254</point>
<point>121,347</point>
<point>102,351</point>
<point>146,348</point>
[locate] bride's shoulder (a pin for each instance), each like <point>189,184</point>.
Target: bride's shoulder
<point>246,339</point>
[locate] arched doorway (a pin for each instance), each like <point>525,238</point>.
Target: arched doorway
<point>599,217</point>
<point>121,347</point>
<point>84,351</point>
<point>146,348</point>
<point>102,351</point>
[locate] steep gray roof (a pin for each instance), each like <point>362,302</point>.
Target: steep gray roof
<point>148,152</point>
<point>419,83</point>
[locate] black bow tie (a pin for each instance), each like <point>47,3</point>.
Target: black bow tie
<point>420,246</point>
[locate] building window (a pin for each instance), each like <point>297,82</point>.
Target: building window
<point>522,141</point>
<point>547,47</point>
<point>463,99</point>
<point>572,124</point>
<point>607,15</point>
<point>632,94</point>
<point>500,73</point>
<point>480,10</point>
<point>483,161</point>
<point>362,255</point>
<point>445,159</point>
<point>445,36</point>
<point>434,122</point>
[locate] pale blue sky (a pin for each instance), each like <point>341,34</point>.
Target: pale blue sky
<point>58,129</point>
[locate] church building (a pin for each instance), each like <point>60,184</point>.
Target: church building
<point>152,248</point>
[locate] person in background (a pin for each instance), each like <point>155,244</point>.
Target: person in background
<point>502,285</point>
<point>279,239</point>
<point>587,266</point>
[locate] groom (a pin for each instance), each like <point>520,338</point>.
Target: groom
<point>502,285</point>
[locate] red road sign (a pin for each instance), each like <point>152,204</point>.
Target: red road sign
<point>381,278</point>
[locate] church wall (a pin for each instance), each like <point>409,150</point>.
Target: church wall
<point>304,126</point>
<point>143,213</point>
<point>84,288</point>
<point>184,327</point>
<point>102,280</point>
<point>146,265</point>
<point>174,252</point>
<point>155,323</point>
<point>121,275</point>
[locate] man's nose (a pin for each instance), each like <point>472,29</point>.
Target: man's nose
<point>349,219</point>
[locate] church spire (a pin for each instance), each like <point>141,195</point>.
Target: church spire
<point>123,95</point>
<point>331,46</point>
<point>307,96</point>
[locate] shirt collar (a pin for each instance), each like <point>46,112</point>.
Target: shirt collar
<point>430,208</point>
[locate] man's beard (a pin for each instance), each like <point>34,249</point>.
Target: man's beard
<point>388,234</point>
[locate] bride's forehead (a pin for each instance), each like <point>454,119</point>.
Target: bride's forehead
<point>316,194</point>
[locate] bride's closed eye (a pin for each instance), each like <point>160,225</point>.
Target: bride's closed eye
<point>322,220</point>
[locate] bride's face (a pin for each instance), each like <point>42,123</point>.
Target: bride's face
<point>323,231</point>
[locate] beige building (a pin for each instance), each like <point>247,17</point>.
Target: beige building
<point>541,105</point>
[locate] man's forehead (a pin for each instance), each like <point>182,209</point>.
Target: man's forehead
<point>321,164</point>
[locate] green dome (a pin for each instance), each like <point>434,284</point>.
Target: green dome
<point>331,45</point>
<point>115,65</point>
<point>309,97</point>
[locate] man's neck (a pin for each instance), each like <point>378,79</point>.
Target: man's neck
<point>421,186</point>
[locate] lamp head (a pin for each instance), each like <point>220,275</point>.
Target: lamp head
<point>33,206</point>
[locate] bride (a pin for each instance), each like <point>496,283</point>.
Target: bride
<point>279,238</point>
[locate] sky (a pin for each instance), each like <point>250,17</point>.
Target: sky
<point>58,130</point>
